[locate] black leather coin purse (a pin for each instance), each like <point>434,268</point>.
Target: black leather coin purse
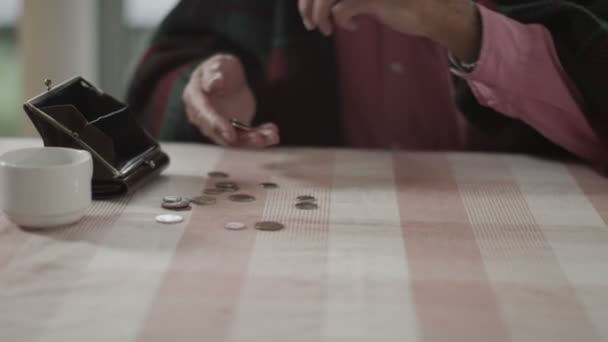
<point>76,114</point>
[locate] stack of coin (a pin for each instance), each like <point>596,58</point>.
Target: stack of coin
<point>176,203</point>
<point>218,174</point>
<point>306,198</point>
<point>306,202</point>
<point>220,187</point>
<point>227,186</point>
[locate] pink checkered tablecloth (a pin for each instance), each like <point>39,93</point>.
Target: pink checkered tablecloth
<point>405,247</point>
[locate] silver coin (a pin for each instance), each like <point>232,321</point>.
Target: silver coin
<point>268,185</point>
<point>270,226</point>
<point>172,199</point>
<point>218,174</point>
<point>307,206</point>
<point>182,205</point>
<point>226,185</point>
<point>231,190</point>
<point>169,219</point>
<point>202,200</point>
<point>235,226</point>
<point>213,191</point>
<point>306,198</point>
<point>241,198</point>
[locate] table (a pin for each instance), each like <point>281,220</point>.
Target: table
<point>405,247</point>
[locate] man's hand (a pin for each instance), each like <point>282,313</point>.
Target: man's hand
<point>452,23</point>
<point>217,92</point>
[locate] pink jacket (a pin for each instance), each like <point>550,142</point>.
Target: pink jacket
<point>399,92</point>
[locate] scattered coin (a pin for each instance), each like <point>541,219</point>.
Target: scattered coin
<point>218,174</point>
<point>213,191</point>
<point>172,199</point>
<point>203,200</point>
<point>241,198</point>
<point>307,206</point>
<point>226,185</point>
<point>239,125</point>
<point>306,198</point>
<point>235,226</point>
<point>268,185</point>
<point>169,219</point>
<point>182,205</point>
<point>269,226</point>
<point>235,189</point>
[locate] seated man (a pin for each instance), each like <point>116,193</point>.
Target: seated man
<point>531,76</point>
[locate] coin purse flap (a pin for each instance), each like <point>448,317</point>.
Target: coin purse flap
<point>71,118</point>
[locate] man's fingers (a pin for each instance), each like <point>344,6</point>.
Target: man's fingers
<point>255,140</point>
<point>306,7</point>
<point>270,133</point>
<point>217,125</point>
<point>321,15</point>
<point>196,120</point>
<point>252,140</point>
<point>345,11</point>
<point>202,114</point>
<point>263,136</point>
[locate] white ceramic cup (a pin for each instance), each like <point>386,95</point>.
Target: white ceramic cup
<point>45,187</point>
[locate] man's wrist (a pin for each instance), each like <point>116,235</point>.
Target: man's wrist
<point>460,31</point>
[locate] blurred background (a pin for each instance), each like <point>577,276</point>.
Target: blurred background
<point>57,39</point>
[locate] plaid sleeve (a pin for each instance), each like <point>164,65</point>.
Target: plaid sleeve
<point>190,34</point>
<point>290,69</point>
